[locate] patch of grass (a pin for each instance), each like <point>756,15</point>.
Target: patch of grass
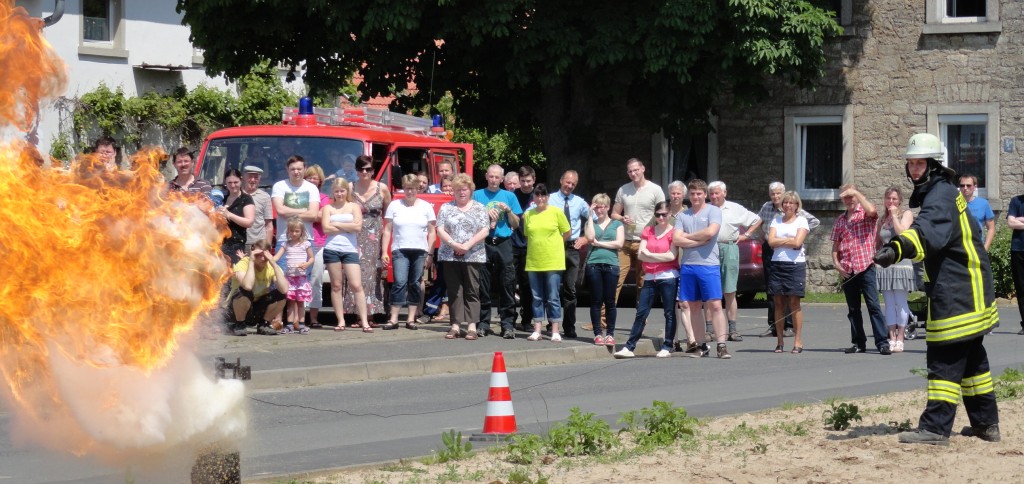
<point>401,466</point>
<point>921,372</point>
<point>657,426</point>
<point>904,426</point>
<point>521,475</point>
<point>840,416</point>
<point>791,405</point>
<point>581,434</point>
<point>794,429</point>
<point>1009,385</point>
<point>834,399</point>
<point>825,297</point>
<point>524,448</point>
<point>452,448</point>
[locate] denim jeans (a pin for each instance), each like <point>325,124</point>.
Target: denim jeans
<point>666,288</point>
<point>545,286</point>
<point>866,285</point>
<point>407,266</point>
<point>602,279</point>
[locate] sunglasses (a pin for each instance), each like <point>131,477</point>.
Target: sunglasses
<point>661,214</point>
<point>365,169</point>
<point>965,186</point>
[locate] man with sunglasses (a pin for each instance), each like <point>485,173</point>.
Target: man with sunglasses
<point>700,274</point>
<point>979,207</point>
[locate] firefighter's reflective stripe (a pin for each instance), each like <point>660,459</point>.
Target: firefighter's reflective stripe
<point>945,391</point>
<point>973,261</point>
<point>962,325</point>
<point>915,239</point>
<point>976,385</point>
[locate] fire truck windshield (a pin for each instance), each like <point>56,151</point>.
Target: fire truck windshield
<point>335,155</point>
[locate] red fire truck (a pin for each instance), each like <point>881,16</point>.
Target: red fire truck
<point>332,138</point>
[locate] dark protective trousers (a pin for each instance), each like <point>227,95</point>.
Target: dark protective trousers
<point>498,277</point>
<point>569,279</point>
<point>955,371</point>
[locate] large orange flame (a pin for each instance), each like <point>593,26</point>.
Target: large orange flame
<point>102,275</point>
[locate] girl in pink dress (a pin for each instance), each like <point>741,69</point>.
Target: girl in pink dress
<point>298,256</point>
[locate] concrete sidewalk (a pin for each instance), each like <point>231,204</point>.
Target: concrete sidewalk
<point>327,357</point>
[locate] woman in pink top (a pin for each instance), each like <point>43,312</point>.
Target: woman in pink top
<point>661,274</point>
<point>315,175</point>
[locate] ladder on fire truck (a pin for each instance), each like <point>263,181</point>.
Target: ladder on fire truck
<point>367,117</point>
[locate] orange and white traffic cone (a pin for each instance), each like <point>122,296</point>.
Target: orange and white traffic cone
<point>500,420</point>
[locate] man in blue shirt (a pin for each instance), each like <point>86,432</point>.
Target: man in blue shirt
<point>1015,219</point>
<point>576,209</point>
<point>979,207</point>
<point>504,210</point>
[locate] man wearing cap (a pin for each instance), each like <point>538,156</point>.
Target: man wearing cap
<point>262,227</point>
<point>961,301</point>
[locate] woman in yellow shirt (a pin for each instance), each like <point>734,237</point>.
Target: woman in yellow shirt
<point>547,230</point>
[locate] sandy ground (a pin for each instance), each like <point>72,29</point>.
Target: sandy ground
<point>788,444</point>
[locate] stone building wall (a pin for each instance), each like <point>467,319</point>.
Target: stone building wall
<point>891,74</point>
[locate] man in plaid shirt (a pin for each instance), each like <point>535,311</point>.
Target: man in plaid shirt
<point>853,246</point>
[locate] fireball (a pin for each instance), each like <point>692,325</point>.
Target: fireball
<point>104,275</point>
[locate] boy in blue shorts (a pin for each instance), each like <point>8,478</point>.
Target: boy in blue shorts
<point>700,277</point>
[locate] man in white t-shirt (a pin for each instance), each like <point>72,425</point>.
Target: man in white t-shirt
<point>294,197</point>
<point>736,219</point>
<point>634,206</point>
<point>700,277</point>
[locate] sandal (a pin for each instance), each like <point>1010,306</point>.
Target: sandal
<point>303,329</point>
<point>355,326</point>
<point>315,325</point>
<point>391,325</point>
<point>374,325</point>
<point>797,350</point>
<point>778,349</point>
<point>471,335</point>
<point>367,329</point>
<point>452,334</point>
<point>411,325</point>
<point>285,330</point>
<point>339,328</point>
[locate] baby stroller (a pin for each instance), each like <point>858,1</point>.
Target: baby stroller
<point>918,303</point>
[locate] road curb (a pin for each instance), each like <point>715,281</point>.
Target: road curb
<point>478,362</point>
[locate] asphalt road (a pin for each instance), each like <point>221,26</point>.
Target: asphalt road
<point>330,426</point>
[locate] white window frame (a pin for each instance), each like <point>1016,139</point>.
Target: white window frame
<point>936,21</point>
<point>799,116</point>
<point>942,115</point>
<point>115,46</point>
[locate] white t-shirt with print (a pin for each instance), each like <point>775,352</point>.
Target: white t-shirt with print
<point>294,197</point>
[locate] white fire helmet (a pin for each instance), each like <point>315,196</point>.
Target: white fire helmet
<point>924,145</point>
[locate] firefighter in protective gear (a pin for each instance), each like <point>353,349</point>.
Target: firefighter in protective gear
<point>961,304</point>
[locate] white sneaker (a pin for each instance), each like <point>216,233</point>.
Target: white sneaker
<point>533,337</point>
<point>663,354</point>
<point>899,347</point>
<point>623,353</point>
<point>555,338</point>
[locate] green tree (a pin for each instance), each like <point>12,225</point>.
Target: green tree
<point>555,64</point>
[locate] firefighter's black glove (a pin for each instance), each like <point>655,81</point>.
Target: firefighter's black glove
<point>885,256</point>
